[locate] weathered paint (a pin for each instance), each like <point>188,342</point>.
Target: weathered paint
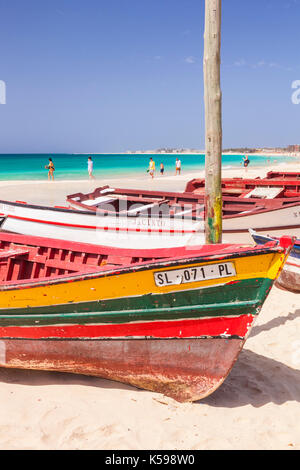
<point>214,220</point>
<point>289,278</point>
<point>136,290</point>
<point>184,369</point>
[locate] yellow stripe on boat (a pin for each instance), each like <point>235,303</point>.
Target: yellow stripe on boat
<point>136,283</point>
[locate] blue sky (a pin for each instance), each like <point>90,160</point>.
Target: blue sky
<point>117,75</point>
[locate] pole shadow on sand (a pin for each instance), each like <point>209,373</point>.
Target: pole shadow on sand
<point>274,323</point>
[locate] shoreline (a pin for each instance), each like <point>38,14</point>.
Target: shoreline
<point>149,152</point>
<point>190,173</point>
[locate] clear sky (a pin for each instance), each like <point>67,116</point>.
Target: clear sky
<point>117,75</point>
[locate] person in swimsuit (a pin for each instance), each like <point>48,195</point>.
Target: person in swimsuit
<point>177,166</point>
<point>162,168</point>
<point>51,169</point>
<point>90,168</point>
<point>246,161</point>
<point>151,167</point>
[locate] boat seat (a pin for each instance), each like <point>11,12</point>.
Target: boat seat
<point>145,207</point>
<point>264,192</point>
<point>232,190</point>
<point>107,189</point>
<point>99,200</point>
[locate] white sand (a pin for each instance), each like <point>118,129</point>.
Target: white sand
<point>257,407</point>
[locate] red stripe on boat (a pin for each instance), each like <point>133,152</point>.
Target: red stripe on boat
<point>220,327</point>
<point>92,227</point>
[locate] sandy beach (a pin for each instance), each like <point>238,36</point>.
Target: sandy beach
<point>257,407</point>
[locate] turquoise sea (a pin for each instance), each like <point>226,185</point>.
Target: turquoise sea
<point>74,166</point>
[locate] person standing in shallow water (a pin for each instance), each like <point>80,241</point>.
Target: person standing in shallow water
<point>246,162</point>
<point>151,167</point>
<point>90,168</point>
<point>177,166</point>
<point>51,169</point>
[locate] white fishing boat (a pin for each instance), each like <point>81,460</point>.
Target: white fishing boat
<point>153,219</point>
<point>130,229</point>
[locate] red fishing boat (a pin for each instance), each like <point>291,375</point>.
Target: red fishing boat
<point>274,185</point>
<point>290,175</point>
<point>261,203</point>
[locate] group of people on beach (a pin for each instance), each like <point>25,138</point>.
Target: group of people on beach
<point>51,169</point>
<point>151,169</point>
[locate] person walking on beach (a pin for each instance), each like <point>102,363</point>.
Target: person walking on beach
<point>162,169</point>
<point>246,162</point>
<point>177,166</point>
<point>90,168</point>
<point>151,167</point>
<point>51,169</point>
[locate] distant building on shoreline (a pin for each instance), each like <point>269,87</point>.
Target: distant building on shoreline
<point>293,148</point>
<point>240,150</point>
<point>167,150</point>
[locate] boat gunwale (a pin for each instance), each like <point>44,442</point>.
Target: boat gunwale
<point>280,202</point>
<point>294,202</point>
<point>106,271</point>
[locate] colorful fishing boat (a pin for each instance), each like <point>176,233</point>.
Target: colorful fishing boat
<point>172,321</point>
<point>282,191</point>
<point>134,218</point>
<point>289,278</point>
<point>169,222</point>
<point>132,228</point>
<point>275,185</point>
<point>246,203</point>
<point>282,175</point>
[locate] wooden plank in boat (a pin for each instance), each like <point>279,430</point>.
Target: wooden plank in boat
<point>264,193</point>
<point>99,200</point>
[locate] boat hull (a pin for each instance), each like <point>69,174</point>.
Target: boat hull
<point>289,278</point>
<point>89,227</point>
<point>183,369</point>
<point>140,232</point>
<point>171,325</point>
<point>266,220</point>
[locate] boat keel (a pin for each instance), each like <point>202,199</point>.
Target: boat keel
<point>183,369</point>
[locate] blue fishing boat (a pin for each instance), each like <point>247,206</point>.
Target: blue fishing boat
<point>289,278</point>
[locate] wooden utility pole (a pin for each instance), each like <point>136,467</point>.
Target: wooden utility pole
<point>213,121</point>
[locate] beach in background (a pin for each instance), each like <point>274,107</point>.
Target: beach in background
<point>257,407</point>
<point>74,166</point>
<point>41,191</point>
